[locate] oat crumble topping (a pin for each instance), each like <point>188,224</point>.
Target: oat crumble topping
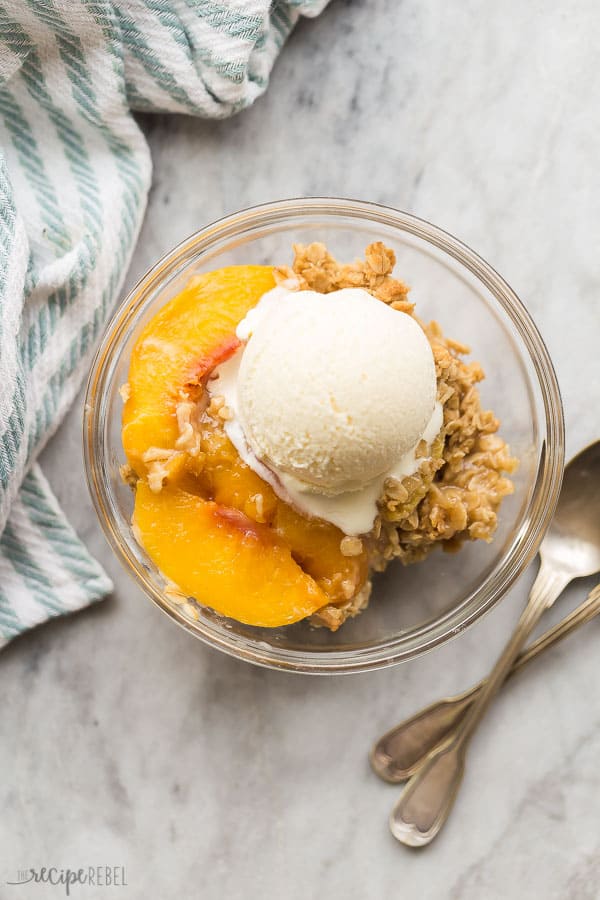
<point>157,463</point>
<point>455,494</point>
<point>351,546</point>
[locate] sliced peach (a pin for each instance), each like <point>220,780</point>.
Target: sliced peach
<point>180,345</point>
<point>315,544</point>
<point>214,526</point>
<point>222,476</point>
<point>223,558</point>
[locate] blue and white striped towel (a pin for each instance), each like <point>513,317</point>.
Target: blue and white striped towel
<point>74,176</point>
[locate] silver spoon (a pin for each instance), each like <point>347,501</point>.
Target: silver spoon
<point>571,549</point>
<point>401,752</point>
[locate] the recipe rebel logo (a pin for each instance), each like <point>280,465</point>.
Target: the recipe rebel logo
<point>85,876</point>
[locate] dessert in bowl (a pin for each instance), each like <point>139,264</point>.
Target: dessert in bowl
<point>287,430</point>
<point>290,430</point>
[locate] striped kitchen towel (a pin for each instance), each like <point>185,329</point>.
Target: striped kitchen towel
<point>74,176</point>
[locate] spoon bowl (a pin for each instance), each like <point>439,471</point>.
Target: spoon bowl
<point>572,542</point>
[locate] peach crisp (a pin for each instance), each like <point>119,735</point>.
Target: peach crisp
<point>269,491</point>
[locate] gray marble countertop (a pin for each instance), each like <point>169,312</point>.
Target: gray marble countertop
<point>129,743</point>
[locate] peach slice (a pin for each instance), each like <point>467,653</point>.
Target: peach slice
<point>180,346</point>
<point>223,558</point>
<point>214,527</point>
<point>315,544</point>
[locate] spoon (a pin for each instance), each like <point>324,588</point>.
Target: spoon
<point>570,549</point>
<point>400,752</point>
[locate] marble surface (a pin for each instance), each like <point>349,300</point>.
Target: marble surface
<point>126,742</point>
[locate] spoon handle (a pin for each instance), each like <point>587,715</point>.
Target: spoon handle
<point>428,797</point>
<point>585,612</point>
<point>400,752</point>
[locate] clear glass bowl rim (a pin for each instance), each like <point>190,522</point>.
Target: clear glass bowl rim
<point>536,518</point>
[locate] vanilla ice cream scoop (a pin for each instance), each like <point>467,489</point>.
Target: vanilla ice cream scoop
<point>333,389</point>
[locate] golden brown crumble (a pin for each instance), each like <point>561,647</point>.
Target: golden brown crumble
<point>315,269</point>
<point>216,404</point>
<point>186,412</point>
<point>332,617</point>
<point>128,476</point>
<point>157,465</point>
<point>351,546</point>
<point>456,492</point>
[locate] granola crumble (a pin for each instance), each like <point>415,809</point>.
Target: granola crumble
<point>332,616</point>
<point>157,463</point>
<point>351,546</point>
<point>128,476</point>
<point>456,492</point>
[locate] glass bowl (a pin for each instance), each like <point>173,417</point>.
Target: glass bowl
<point>412,609</point>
